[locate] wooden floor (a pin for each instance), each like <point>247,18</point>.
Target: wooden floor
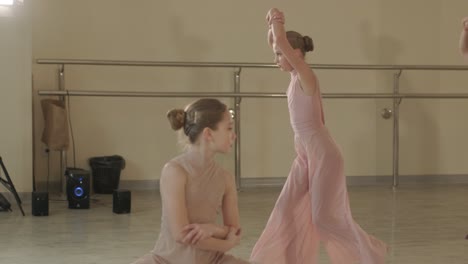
<point>422,224</point>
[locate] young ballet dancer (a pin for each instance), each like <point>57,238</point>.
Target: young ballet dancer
<point>313,205</point>
<point>195,189</point>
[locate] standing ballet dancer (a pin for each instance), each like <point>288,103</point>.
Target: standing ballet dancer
<point>313,206</point>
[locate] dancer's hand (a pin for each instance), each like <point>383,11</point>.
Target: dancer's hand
<point>196,232</point>
<point>234,236</point>
<point>274,15</point>
<point>465,23</point>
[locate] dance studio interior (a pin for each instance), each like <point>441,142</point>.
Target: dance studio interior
<point>85,90</point>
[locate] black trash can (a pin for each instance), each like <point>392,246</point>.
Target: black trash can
<point>106,173</point>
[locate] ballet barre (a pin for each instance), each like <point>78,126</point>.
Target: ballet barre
<point>237,95</point>
<point>246,65</point>
<point>252,95</point>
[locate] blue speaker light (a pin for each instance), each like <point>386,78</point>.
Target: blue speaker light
<point>78,191</point>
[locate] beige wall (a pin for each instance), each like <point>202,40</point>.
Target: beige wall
<point>345,32</point>
<point>15,95</point>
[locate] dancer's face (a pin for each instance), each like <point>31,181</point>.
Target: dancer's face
<point>223,136</point>
<point>281,60</point>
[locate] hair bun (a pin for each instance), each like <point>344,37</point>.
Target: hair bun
<point>308,44</point>
<point>176,118</point>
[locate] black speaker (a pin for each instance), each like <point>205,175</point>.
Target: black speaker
<point>78,187</point>
<point>40,203</point>
<point>122,201</point>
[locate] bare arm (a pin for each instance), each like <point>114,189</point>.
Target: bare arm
<point>173,181</point>
<point>215,244</point>
<point>463,43</point>
<point>306,75</point>
<point>220,231</point>
<point>196,232</point>
<point>270,37</point>
<point>230,206</point>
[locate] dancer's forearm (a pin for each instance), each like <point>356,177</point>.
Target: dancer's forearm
<point>214,244</point>
<point>219,231</point>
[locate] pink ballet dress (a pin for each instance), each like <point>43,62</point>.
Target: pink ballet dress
<point>313,205</point>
